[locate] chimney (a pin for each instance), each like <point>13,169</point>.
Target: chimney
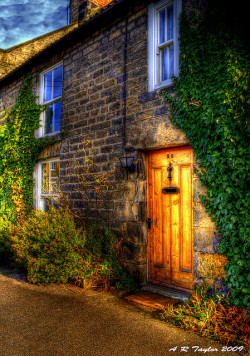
<point>81,9</point>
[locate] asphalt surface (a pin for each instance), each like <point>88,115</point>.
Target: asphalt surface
<point>65,320</point>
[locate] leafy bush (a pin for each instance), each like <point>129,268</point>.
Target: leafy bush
<point>47,245</point>
<point>53,250</point>
<point>6,256</point>
<point>212,107</point>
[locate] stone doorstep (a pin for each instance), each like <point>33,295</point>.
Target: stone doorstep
<point>152,300</point>
<point>165,291</point>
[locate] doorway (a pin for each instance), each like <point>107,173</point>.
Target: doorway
<point>170,217</point>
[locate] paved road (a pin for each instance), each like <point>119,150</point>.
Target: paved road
<point>64,320</point>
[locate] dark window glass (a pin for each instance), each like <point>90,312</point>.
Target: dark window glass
<point>48,86</point>
<point>57,116</point>
<point>57,82</point>
<point>162,26</point>
<point>171,61</point>
<point>170,23</point>
<point>48,127</point>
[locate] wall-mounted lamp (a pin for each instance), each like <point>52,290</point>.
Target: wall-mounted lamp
<point>127,163</point>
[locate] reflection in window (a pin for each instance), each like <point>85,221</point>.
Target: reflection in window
<point>48,184</point>
<point>51,97</point>
<point>166,47</point>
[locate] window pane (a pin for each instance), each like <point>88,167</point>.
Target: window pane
<point>46,205</point>
<point>48,125</point>
<point>171,61</point>
<point>162,26</point>
<point>57,82</point>
<point>54,169</point>
<point>165,64</point>
<point>47,86</point>
<point>170,23</point>
<point>54,177</point>
<point>57,117</point>
<point>45,178</point>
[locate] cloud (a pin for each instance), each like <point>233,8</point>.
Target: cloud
<point>22,20</point>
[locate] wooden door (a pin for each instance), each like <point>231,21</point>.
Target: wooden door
<point>170,245</point>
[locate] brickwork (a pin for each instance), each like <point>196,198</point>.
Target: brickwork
<point>80,9</point>
<point>105,98</point>
<point>102,2</point>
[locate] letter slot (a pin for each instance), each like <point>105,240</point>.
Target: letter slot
<point>170,190</point>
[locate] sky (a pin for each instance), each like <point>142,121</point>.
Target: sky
<point>22,20</point>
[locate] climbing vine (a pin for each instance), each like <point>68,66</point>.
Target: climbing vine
<point>212,107</point>
<point>19,150</point>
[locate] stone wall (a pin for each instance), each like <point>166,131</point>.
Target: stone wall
<point>105,99</point>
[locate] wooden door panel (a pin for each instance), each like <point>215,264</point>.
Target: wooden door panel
<point>170,238</point>
<point>186,218</point>
<point>157,218</point>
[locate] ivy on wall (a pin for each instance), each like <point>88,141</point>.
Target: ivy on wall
<point>19,150</point>
<point>212,107</point>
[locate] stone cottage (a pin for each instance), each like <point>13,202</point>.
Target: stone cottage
<point>102,81</point>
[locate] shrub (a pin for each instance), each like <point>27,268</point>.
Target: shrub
<point>213,317</point>
<point>53,250</point>
<point>47,245</point>
<point>101,260</point>
<point>6,255</point>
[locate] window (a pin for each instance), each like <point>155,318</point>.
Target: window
<point>50,96</point>
<point>163,49</point>
<point>47,183</point>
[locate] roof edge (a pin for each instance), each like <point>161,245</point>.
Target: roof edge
<point>118,7</point>
<point>10,49</point>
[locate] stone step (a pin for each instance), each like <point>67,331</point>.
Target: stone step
<point>152,300</point>
<point>165,291</point>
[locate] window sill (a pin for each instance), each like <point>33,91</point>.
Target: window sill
<point>52,136</point>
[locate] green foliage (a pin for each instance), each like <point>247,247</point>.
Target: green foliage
<point>102,254</point>
<point>54,250</point>
<point>212,107</point>
<point>47,244</point>
<point>6,256</point>
<point>213,317</point>
<point>19,150</point>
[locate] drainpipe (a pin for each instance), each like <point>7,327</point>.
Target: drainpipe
<point>125,88</point>
<point>125,83</point>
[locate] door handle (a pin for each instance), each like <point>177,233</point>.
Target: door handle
<point>149,223</point>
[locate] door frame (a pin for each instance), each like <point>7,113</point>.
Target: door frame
<point>192,218</point>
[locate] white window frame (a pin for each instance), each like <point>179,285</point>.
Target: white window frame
<point>40,195</point>
<point>154,57</point>
<point>47,103</point>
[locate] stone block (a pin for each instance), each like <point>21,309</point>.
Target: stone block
<point>154,133</point>
<point>138,272</point>
<point>209,266</point>
<point>203,239</point>
<point>200,217</point>
<point>197,190</point>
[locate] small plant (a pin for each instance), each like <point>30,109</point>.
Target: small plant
<point>101,260</point>
<point>92,184</point>
<point>47,245</point>
<point>213,317</point>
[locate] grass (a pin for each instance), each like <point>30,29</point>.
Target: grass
<point>212,317</point>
